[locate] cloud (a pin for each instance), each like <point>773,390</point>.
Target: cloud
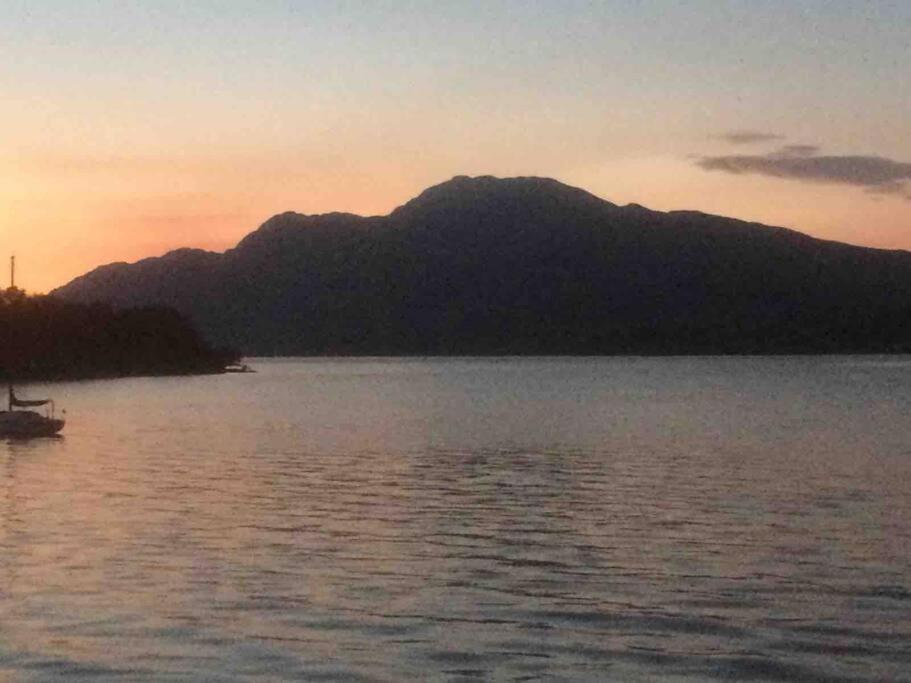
<point>791,151</point>
<point>896,188</point>
<point>747,137</point>
<point>876,174</point>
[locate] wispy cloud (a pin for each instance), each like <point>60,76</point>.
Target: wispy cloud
<point>791,151</point>
<point>747,137</point>
<point>876,174</point>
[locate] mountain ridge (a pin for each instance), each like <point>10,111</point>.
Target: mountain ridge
<point>524,265</point>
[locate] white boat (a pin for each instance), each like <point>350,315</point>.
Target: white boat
<point>28,423</point>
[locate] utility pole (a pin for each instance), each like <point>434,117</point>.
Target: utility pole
<point>12,272</point>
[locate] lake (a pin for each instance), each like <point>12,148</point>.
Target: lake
<point>467,519</point>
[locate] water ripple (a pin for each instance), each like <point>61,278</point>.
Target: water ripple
<point>573,519</point>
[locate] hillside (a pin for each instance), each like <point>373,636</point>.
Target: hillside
<point>524,266</point>
<point>46,338</point>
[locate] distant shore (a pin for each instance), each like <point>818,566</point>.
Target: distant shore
<point>43,338</point>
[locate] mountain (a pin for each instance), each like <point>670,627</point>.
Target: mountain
<point>524,266</point>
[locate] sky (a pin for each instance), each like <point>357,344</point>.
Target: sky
<point>130,128</point>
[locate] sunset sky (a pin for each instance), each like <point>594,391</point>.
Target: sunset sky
<point>130,128</point>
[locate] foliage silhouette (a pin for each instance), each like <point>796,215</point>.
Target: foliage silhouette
<point>44,337</point>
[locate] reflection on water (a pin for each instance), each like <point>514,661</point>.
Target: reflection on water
<point>524,519</point>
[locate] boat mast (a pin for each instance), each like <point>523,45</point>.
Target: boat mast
<point>12,285</point>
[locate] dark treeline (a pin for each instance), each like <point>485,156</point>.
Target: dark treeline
<point>43,337</point>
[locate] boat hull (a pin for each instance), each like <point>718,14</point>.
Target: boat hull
<point>27,423</point>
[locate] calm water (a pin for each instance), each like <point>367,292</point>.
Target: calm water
<point>556,520</point>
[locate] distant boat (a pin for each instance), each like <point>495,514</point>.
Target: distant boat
<point>25,423</point>
<point>239,367</point>
<point>28,423</point>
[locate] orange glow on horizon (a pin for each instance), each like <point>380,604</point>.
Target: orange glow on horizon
<point>132,128</point>
<point>75,226</point>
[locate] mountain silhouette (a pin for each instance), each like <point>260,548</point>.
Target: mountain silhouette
<point>524,266</point>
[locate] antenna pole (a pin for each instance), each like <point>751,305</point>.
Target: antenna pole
<point>12,272</point>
